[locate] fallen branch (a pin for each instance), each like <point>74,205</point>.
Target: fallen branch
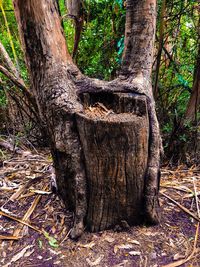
<point>20,221</point>
<point>28,213</point>
<point>9,237</point>
<point>176,188</point>
<point>181,207</point>
<point>24,187</point>
<point>67,235</point>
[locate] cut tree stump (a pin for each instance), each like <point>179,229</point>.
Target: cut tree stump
<point>114,133</point>
<point>117,133</point>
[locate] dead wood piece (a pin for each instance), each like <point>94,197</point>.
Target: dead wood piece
<point>115,150</point>
<point>24,187</point>
<point>28,213</point>
<point>181,207</point>
<point>67,235</point>
<point>176,188</point>
<point>17,81</point>
<point>9,237</point>
<point>20,221</point>
<point>98,111</point>
<point>26,195</point>
<point>191,195</point>
<point>7,60</point>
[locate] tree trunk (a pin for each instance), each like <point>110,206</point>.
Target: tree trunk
<point>74,8</point>
<point>194,101</point>
<point>160,47</point>
<point>114,136</point>
<point>192,145</point>
<point>104,136</point>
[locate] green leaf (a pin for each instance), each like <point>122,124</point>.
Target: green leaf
<point>52,241</point>
<point>40,244</point>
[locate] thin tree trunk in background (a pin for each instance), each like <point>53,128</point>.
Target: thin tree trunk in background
<point>194,101</point>
<point>74,8</point>
<point>176,147</point>
<point>160,46</point>
<point>28,108</point>
<point>123,184</point>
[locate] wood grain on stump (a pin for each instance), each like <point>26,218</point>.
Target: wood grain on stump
<point>114,133</point>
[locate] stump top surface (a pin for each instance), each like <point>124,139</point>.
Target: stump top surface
<point>110,117</point>
<point>113,108</point>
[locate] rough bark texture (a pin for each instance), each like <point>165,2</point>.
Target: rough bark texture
<point>136,68</point>
<point>115,148</point>
<point>139,37</point>
<point>128,143</point>
<point>48,59</point>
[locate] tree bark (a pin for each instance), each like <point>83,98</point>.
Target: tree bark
<point>194,101</point>
<point>139,37</point>
<point>160,47</point>
<point>74,8</point>
<point>7,60</point>
<point>95,157</point>
<point>115,145</point>
<point>136,67</point>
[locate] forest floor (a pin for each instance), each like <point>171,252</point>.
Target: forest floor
<point>26,198</point>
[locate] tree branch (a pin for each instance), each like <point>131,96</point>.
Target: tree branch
<point>17,81</point>
<point>8,61</point>
<point>20,84</point>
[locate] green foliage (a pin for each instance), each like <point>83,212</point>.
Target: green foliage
<point>10,39</point>
<point>40,244</point>
<point>101,47</point>
<point>3,99</point>
<point>176,74</point>
<point>99,51</point>
<point>52,241</point>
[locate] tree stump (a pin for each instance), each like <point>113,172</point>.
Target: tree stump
<point>118,134</point>
<point>114,133</point>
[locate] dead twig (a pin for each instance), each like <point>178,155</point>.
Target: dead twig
<point>181,207</point>
<point>196,197</point>
<point>195,249</point>
<point>28,214</point>
<point>17,81</point>
<point>66,236</point>
<point>24,187</point>
<point>9,237</point>
<point>20,221</point>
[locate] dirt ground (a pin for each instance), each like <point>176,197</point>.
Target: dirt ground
<point>26,198</point>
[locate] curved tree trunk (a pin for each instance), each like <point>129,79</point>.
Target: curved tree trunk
<point>104,136</point>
